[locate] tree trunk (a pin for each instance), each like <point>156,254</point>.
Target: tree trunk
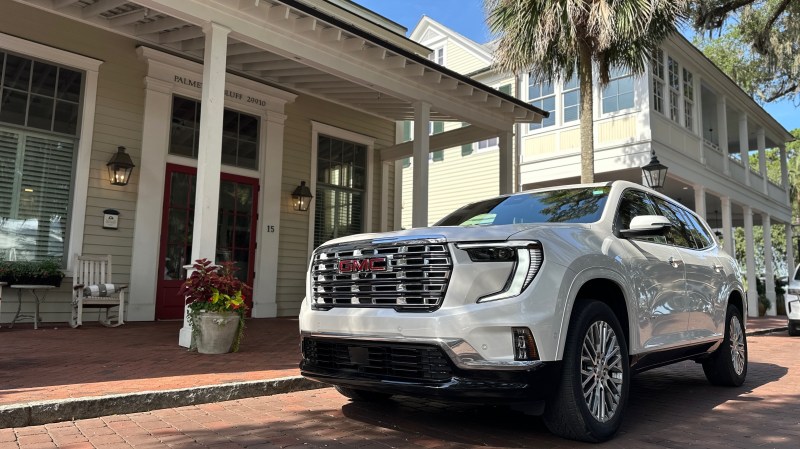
<point>587,116</point>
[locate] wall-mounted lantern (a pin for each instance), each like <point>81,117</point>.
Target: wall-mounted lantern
<point>120,168</point>
<point>301,197</point>
<point>655,173</point>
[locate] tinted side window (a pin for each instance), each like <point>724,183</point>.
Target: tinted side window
<point>700,235</point>
<point>634,203</point>
<point>679,234</point>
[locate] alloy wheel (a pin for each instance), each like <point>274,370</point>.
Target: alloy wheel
<point>738,351</point>
<point>601,371</point>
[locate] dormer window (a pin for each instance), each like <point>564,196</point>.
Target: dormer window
<point>437,55</point>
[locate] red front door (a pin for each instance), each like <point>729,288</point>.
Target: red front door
<point>236,230</point>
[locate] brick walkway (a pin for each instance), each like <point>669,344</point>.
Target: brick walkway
<point>58,362</point>
<point>671,407</point>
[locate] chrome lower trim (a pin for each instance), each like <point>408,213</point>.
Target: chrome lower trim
<point>462,354</point>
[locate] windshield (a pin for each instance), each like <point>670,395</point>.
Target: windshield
<point>579,205</point>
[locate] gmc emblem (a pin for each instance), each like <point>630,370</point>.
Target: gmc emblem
<point>362,265</point>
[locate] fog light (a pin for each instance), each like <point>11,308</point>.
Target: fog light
<point>524,346</point>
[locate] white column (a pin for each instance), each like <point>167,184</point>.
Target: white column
<point>790,264</point>
<point>270,200</point>
<point>698,113</point>
<point>762,158</point>
<point>744,146</point>
<point>784,170</point>
<point>769,272</point>
<point>149,201</point>
<point>727,225</point>
<point>209,154</point>
<point>506,149</point>
<point>422,118</point>
<point>722,135</point>
<point>384,212</point>
<point>750,262</point>
<point>700,201</point>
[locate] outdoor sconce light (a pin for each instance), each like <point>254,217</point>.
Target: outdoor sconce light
<point>120,168</point>
<point>301,197</point>
<point>655,173</point>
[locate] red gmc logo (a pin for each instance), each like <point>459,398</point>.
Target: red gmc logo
<point>362,265</point>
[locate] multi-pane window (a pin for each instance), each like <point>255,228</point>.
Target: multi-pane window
<point>488,143</point>
<point>42,103</point>
<point>542,95</point>
<point>657,64</point>
<point>674,89</point>
<point>437,55</point>
<point>570,98</point>
<point>341,188</point>
<point>688,99</point>
<point>239,134</point>
<point>618,94</point>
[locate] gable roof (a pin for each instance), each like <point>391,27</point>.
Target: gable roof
<point>426,29</point>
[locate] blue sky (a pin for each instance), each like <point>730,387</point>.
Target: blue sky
<point>467,18</point>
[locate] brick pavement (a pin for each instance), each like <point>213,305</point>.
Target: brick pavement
<point>671,407</point>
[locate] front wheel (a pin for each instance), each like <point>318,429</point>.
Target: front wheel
<point>593,391</point>
<point>794,328</point>
<point>727,366</point>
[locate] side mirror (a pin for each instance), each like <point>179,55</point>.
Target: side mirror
<point>647,225</point>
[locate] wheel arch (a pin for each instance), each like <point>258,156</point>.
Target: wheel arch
<point>605,286</point>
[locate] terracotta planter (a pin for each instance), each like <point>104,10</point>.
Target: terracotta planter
<point>216,331</point>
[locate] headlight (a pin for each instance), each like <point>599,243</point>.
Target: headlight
<point>527,257</point>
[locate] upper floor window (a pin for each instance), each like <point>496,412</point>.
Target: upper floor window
<point>42,102</point>
<point>618,94</point>
<point>437,55</point>
<point>571,98</point>
<point>657,63</point>
<point>542,95</point>
<point>688,99</point>
<point>488,143</point>
<point>239,134</point>
<point>674,89</point>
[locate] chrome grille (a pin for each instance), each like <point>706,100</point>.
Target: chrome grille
<point>407,275</point>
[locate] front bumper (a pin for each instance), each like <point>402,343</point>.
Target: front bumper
<point>423,369</point>
<point>792,307</point>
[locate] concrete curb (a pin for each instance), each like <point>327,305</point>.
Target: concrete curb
<point>46,412</point>
<point>768,331</point>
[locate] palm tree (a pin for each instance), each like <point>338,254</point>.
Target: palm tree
<point>554,37</point>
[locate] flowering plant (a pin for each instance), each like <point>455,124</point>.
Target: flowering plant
<point>215,288</point>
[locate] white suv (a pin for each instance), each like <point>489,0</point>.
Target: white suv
<point>555,295</point>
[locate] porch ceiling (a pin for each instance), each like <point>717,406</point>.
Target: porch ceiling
<point>291,45</point>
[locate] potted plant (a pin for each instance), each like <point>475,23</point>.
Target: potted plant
<point>763,305</point>
<point>40,272</point>
<point>216,306</point>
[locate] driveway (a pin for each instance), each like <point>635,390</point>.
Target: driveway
<point>671,407</point>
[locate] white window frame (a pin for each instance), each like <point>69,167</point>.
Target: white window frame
<point>657,66</point>
<point>674,89</point>
<point>530,100</point>
<point>601,95</point>
<point>438,54</point>
<point>687,86</point>
<point>80,184</point>
<point>318,128</point>
<point>566,90</point>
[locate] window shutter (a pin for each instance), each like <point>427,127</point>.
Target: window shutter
<point>438,127</point>
<point>406,131</point>
<point>506,89</point>
<point>407,162</point>
<point>466,149</point>
<point>438,155</point>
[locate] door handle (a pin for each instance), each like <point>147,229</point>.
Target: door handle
<point>718,268</point>
<point>673,261</point>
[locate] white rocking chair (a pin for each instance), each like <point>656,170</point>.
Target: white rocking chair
<point>92,289</point>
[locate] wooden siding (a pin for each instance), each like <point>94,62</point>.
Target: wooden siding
<point>294,226</point>
<point>458,59</point>
<point>118,122</point>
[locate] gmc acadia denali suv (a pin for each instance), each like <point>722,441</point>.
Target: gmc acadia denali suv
<point>553,296</point>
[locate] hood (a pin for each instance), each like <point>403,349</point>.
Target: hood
<point>450,233</point>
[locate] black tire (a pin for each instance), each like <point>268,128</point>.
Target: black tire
<point>568,413</point>
<point>727,366</point>
<point>794,329</point>
<point>362,395</point>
